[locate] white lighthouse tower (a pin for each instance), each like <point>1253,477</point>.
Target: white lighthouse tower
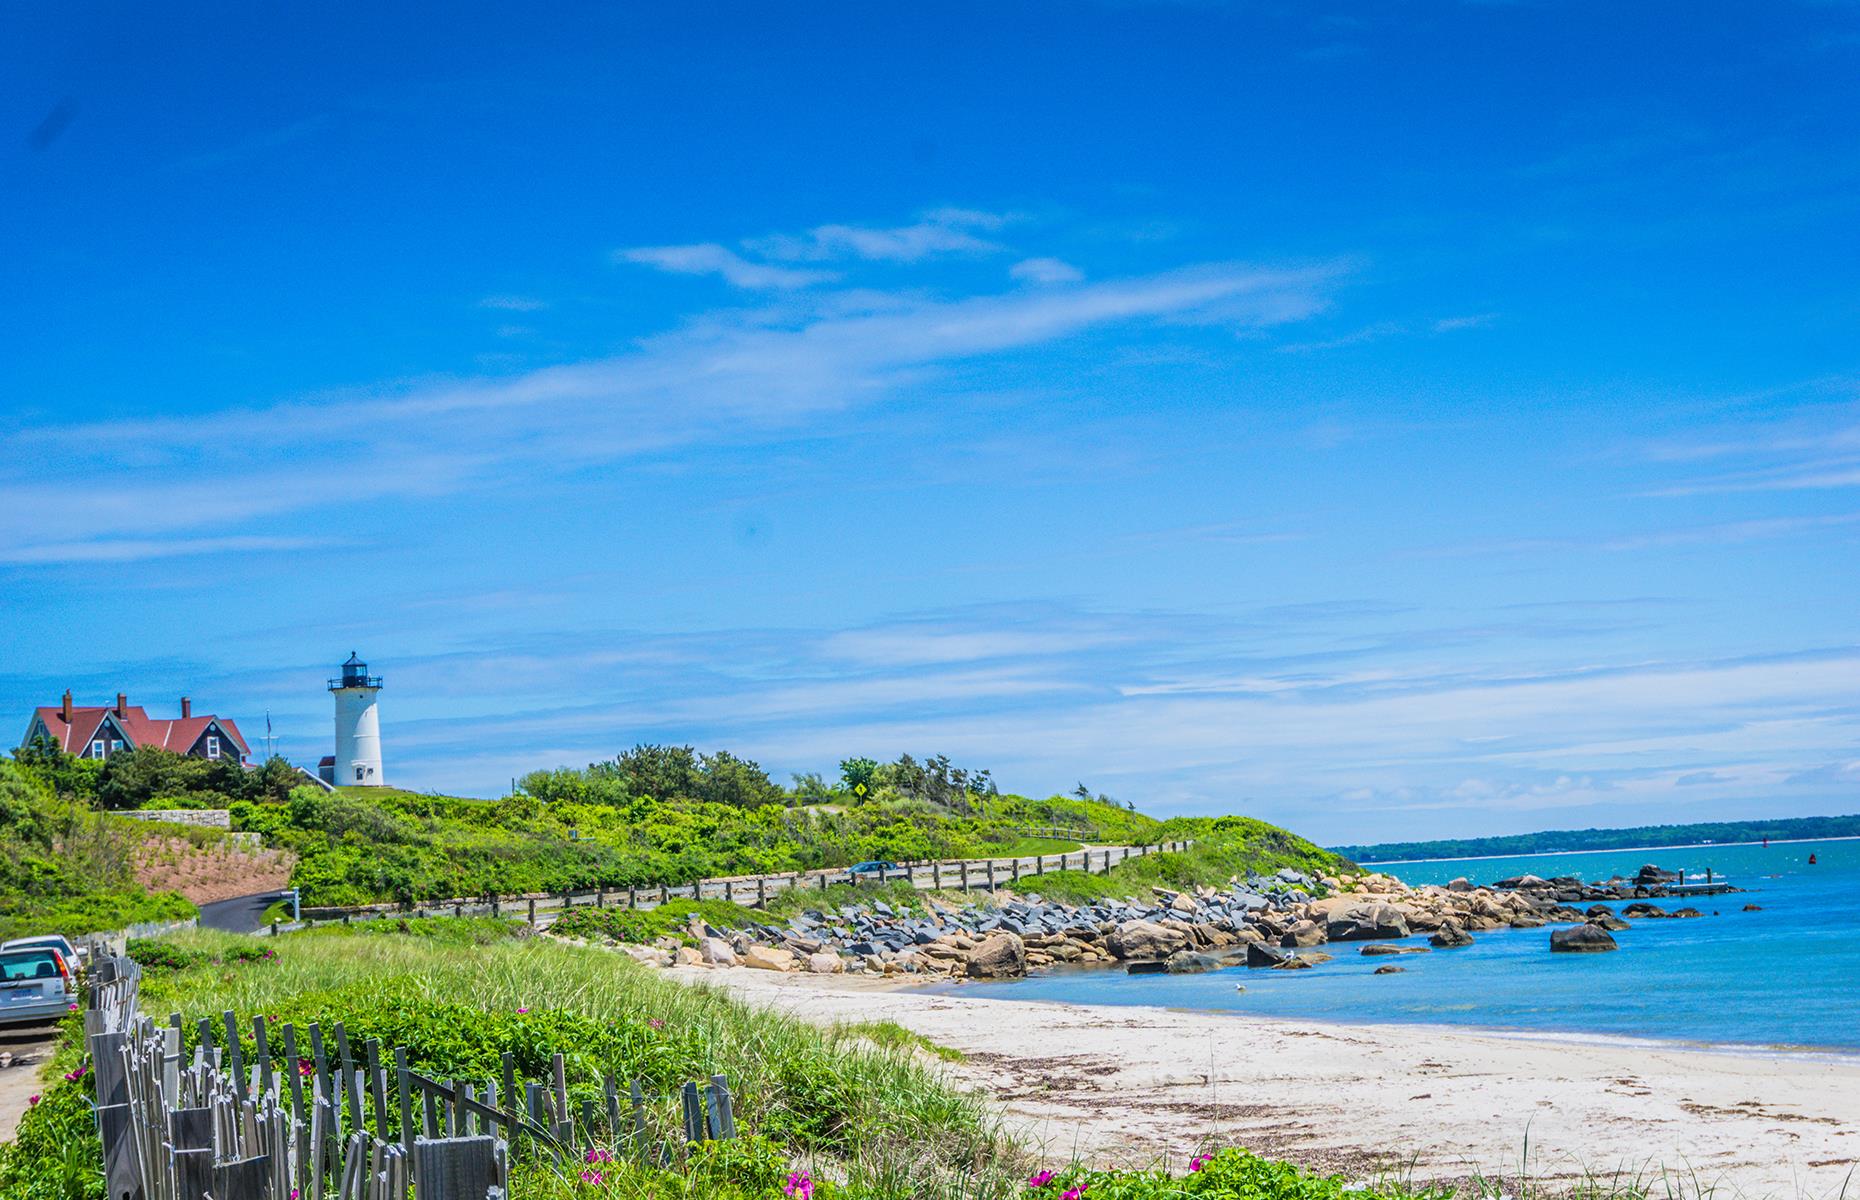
<point>358,727</point>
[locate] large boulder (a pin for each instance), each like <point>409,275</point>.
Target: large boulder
<point>1582,939</point>
<point>1145,939</point>
<point>1369,923</point>
<point>1450,937</point>
<point>1610,922</point>
<point>1259,954</point>
<point>648,956</point>
<point>998,956</point>
<point>717,952</point>
<point>1304,933</point>
<point>1189,962</point>
<point>1644,912</point>
<point>770,958</point>
<point>1381,949</point>
<point>825,963</point>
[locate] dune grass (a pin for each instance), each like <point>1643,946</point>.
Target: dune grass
<point>851,1103</point>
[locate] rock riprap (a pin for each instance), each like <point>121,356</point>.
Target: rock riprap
<point>1263,921</point>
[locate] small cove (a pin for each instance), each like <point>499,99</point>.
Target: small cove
<point>1785,976</point>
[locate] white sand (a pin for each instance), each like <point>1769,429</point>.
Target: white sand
<point>1130,1086</point>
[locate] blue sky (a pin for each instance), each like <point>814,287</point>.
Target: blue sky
<point>1390,420</point>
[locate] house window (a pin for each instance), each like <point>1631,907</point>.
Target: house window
<point>358,774</point>
<point>99,749</point>
<point>115,745</point>
<point>213,747</point>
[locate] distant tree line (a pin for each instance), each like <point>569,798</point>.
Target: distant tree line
<point>1553,840</point>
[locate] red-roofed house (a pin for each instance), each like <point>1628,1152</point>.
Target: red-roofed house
<point>102,730</point>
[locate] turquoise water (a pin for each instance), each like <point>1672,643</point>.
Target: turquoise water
<point>1788,975</point>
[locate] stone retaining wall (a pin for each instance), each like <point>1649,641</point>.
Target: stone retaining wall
<point>210,818</point>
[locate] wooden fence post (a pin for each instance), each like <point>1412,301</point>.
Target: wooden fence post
<point>991,874</point>
<point>936,876</point>
<point>532,910</point>
<point>762,891</point>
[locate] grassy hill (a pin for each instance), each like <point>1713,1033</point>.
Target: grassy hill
<point>66,868</point>
<point>668,814</point>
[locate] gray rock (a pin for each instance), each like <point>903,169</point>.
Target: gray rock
<point>1450,937</point>
<point>1582,939</point>
<point>1258,954</point>
<point>1369,923</point>
<point>1189,962</point>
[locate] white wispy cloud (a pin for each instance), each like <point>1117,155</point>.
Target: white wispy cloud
<point>1722,533</point>
<point>1808,446</point>
<point>733,376</point>
<point>940,231</point>
<point>124,550</point>
<point>709,258</point>
<point>1045,270</point>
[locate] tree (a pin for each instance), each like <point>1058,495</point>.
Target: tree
<point>738,782</point>
<point>938,782</point>
<point>809,788</point>
<point>662,772</point>
<point>860,775</point>
<point>1082,792</point>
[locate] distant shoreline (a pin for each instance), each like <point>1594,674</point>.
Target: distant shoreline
<point>1397,862</point>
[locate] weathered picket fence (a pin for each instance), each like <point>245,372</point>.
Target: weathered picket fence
<point>339,1123</point>
<point>541,909</point>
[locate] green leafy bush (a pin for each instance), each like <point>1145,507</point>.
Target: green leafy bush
<point>55,1155</point>
<point>158,954</point>
<point>649,924</point>
<point>1230,1174</point>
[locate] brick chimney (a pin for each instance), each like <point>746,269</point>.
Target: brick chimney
<point>122,705</point>
<point>65,712</point>
<point>187,708</point>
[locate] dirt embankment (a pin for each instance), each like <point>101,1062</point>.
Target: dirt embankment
<point>219,870</point>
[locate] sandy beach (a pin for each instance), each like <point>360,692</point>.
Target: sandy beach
<point>1130,1086</point>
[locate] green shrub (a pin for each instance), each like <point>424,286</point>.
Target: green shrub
<point>1230,1174</point>
<point>156,954</point>
<point>55,1155</point>
<point>672,918</point>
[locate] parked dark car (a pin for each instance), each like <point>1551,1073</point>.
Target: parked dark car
<point>867,872</point>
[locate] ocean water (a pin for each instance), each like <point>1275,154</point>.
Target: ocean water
<point>1786,976</point>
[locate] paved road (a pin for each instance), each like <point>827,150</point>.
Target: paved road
<point>30,1046</point>
<point>241,914</point>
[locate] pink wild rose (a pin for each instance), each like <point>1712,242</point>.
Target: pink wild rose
<point>1039,1179</point>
